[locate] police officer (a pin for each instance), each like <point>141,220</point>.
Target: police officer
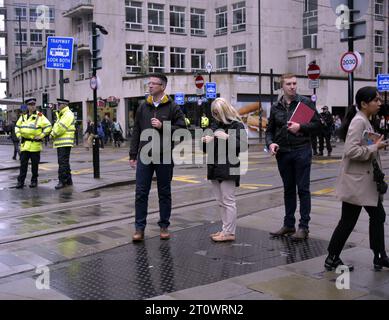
<point>63,140</point>
<point>31,129</point>
<point>204,122</point>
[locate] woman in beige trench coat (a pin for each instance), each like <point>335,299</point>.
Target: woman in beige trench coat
<point>356,187</point>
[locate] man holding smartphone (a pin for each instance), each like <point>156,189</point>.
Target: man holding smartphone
<point>150,156</point>
<point>290,142</point>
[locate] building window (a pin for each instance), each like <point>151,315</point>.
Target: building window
<point>52,14</point>
<point>239,57</point>
<point>239,16</point>
<point>36,38</point>
<point>133,15</point>
<point>34,14</point>
<point>221,20</point>
<point>310,5</point>
<point>134,58</point>
<point>49,33</point>
<point>156,17</point>
<point>310,24</point>
<point>23,36</point>
<point>379,41</point>
<point>177,19</point>
<point>197,22</point>
<point>177,59</point>
<point>21,11</point>
<point>379,10</point>
<point>156,59</point>
<point>222,59</point>
<point>378,68</point>
<point>198,59</point>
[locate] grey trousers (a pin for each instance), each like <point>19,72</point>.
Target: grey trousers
<point>225,195</point>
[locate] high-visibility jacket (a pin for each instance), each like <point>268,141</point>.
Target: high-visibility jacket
<point>204,122</point>
<point>32,127</point>
<point>64,129</point>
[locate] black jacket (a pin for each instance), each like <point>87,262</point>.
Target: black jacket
<point>277,128</point>
<point>327,122</point>
<point>223,168</point>
<point>166,111</point>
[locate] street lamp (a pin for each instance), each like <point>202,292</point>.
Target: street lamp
<point>20,50</point>
<point>96,142</point>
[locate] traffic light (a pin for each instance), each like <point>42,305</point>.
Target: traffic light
<point>45,100</point>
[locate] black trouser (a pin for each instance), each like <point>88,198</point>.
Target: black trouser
<point>25,156</point>
<point>314,143</point>
<point>16,149</point>
<point>350,215</point>
<point>327,137</point>
<point>64,173</point>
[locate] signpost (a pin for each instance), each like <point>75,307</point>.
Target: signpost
<point>59,53</point>
<point>199,81</point>
<point>383,86</point>
<point>211,89</point>
<point>352,28</point>
<point>349,62</point>
<point>59,56</point>
<point>179,98</point>
<point>313,73</point>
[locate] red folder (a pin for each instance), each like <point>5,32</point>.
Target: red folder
<point>302,114</point>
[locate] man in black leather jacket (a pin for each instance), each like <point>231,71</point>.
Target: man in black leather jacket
<point>290,142</point>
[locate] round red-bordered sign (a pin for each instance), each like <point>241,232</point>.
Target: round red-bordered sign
<point>313,72</point>
<point>349,62</point>
<point>199,81</point>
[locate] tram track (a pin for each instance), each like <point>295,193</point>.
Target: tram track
<point>97,223</point>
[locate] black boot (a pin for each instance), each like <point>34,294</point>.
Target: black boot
<point>20,185</point>
<point>33,184</point>
<point>380,261</point>
<point>69,182</point>
<point>332,262</point>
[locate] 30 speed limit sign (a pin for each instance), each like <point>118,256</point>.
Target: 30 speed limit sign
<point>349,62</point>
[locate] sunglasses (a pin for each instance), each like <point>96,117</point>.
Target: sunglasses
<point>155,84</point>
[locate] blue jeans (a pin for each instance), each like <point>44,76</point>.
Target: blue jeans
<point>144,176</point>
<point>295,170</point>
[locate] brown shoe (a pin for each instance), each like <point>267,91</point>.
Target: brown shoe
<point>164,235</point>
<point>138,236</point>
<point>284,231</point>
<point>215,234</point>
<point>223,237</point>
<point>301,234</point>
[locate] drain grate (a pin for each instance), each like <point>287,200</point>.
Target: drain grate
<point>188,260</point>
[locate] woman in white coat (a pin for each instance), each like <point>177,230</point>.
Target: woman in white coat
<point>356,187</point>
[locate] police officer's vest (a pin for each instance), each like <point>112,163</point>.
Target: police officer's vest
<point>64,129</point>
<point>204,122</point>
<point>32,127</point>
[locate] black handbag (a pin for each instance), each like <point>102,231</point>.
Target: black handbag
<point>379,178</point>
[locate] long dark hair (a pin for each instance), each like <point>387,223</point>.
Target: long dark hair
<point>365,94</point>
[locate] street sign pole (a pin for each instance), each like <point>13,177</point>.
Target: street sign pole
<point>61,85</point>
<point>96,155</point>
<point>351,49</point>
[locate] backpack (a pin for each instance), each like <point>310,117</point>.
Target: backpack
<point>116,127</point>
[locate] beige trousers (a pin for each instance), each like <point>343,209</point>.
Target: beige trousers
<point>225,195</point>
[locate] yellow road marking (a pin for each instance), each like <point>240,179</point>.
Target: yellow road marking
<point>77,172</point>
<point>326,161</point>
<point>125,159</point>
<point>187,179</point>
<point>323,192</point>
<point>250,186</point>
